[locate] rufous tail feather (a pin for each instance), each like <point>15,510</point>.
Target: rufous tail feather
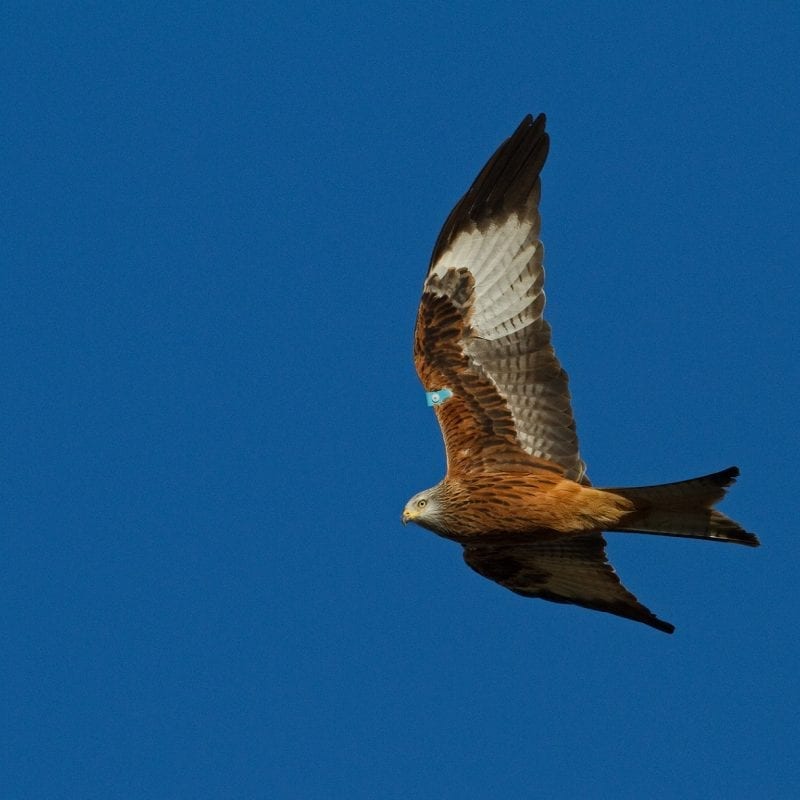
<point>684,509</point>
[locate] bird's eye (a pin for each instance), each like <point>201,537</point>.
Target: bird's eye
<point>422,503</point>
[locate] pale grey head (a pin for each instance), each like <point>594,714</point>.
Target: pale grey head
<point>426,508</point>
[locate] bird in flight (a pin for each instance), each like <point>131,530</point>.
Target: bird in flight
<point>516,495</point>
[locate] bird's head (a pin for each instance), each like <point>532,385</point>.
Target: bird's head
<point>424,508</point>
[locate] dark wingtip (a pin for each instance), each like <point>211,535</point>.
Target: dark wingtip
<point>529,122</point>
<point>638,613</point>
<point>748,539</point>
<point>506,183</point>
<point>660,625</point>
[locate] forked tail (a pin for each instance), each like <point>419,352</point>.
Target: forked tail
<point>684,509</point>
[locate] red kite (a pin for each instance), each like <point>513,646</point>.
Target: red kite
<point>516,495</point>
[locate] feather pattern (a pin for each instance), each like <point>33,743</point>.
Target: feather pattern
<point>516,495</point>
<point>480,330</point>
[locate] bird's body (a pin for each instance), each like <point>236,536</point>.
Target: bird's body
<point>516,495</point>
<point>540,502</point>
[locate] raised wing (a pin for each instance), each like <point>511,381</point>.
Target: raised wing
<point>480,331</point>
<point>568,570</point>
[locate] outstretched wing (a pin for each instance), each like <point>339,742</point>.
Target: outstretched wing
<point>480,331</point>
<point>569,570</point>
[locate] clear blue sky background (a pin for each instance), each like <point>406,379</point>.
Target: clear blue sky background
<point>216,223</point>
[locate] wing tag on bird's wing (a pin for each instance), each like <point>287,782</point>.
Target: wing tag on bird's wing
<point>438,397</point>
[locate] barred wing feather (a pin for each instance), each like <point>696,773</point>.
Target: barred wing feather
<point>480,330</point>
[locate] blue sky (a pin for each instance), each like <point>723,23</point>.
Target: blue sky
<point>216,223</point>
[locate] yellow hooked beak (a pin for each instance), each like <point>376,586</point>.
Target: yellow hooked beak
<point>408,516</point>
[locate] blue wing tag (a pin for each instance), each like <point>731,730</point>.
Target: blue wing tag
<point>437,398</point>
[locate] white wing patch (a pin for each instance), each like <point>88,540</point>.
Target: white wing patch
<point>510,341</point>
<point>505,261</point>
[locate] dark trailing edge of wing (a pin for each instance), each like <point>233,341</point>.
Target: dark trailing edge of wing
<point>504,185</point>
<point>516,567</point>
